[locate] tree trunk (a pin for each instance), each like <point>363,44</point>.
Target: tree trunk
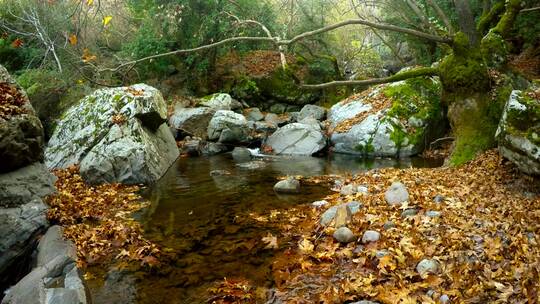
<point>466,20</point>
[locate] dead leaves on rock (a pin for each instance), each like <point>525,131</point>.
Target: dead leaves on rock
<point>98,220</point>
<point>11,101</point>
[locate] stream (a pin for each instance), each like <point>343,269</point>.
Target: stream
<point>202,213</point>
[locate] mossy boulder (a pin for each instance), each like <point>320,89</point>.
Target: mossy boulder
<point>518,133</point>
<point>281,86</point>
<point>392,120</point>
<point>117,135</point>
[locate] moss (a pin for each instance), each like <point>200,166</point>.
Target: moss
<point>494,49</point>
<point>506,23</point>
<point>464,73</point>
<point>282,86</point>
<point>487,20</point>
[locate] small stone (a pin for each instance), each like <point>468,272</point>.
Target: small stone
<point>328,216</point>
<point>370,236</point>
<point>252,165</point>
<point>438,199</point>
<point>354,206</point>
<point>344,235</point>
<point>409,212</point>
<point>427,266</point>
<point>319,204</point>
<point>254,114</point>
<point>381,253</point>
<point>396,194</point>
<point>444,299</point>
<point>288,186</point>
<point>358,249</point>
<point>241,154</point>
<point>347,190</point>
<point>389,225</point>
<point>362,189</point>
<point>433,213</point>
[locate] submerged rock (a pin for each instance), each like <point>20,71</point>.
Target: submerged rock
<point>297,139</point>
<point>394,120</point>
<point>117,135</point>
<point>519,130</point>
<point>191,121</point>
<point>288,186</point>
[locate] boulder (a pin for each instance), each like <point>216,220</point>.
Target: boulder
<point>392,120</point>
<point>52,245</point>
<point>117,135</point>
<point>228,127</point>
<point>21,132</point>
<point>253,114</point>
<point>370,236</point>
<point>313,111</point>
<point>241,154</point>
<point>288,186</point>
<point>220,101</point>
<point>191,121</point>
<point>297,139</point>
<point>518,133</point>
<point>25,184</point>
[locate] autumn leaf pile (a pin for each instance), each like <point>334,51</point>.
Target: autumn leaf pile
<point>486,240</point>
<point>98,220</point>
<point>11,101</point>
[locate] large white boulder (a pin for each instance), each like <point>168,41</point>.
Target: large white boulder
<point>297,139</point>
<point>228,127</point>
<point>116,135</point>
<point>519,131</point>
<point>394,120</point>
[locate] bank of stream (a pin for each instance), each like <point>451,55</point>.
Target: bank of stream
<point>207,214</point>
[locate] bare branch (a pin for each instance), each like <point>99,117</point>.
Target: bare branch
<point>530,9</point>
<point>418,72</point>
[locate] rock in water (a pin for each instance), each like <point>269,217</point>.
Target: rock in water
<point>297,139</point>
<point>518,132</point>
<point>228,127</point>
<point>392,120</point>
<point>344,235</point>
<point>191,121</point>
<point>220,101</point>
<point>117,135</point>
<point>396,194</point>
<point>241,154</point>
<point>288,186</point>
<point>21,134</point>
<point>313,111</point>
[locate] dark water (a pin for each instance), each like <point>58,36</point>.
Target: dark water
<point>209,223</point>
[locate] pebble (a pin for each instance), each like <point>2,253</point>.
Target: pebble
<point>347,190</point>
<point>438,199</point>
<point>427,266</point>
<point>344,235</point>
<point>433,213</point>
<point>319,204</point>
<point>370,236</point>
<point>389,225</point>
<point>330,213</point>
<point>444,299</point>
<point>381,253</point>
<point>409,212</point>
<point>354,206</point>
<point>396,194</point>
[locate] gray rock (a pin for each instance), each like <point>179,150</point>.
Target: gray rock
<point>370,236</point>
<point>61,296</point>
<point>220,101</point>
<point>444,299</point>
<point>313,111</point>
<point>344,235</point>
<point>191,147</point>
<point>20,228</point>
<point>278,108</point>
<point>52,245</point>
<point>241,154</point>
<point>253,114</point>
<point>228,127</point>
<point>312,122</point>
<point>428,266</point>
<point>289,186</point>
<point>433,213</point>
<point>348,189</point>
<point>389,225</point>
<point>438,199</point>
<point>192,121</point>
<point>396,194</point>
<point>354,206</point>
<point>328,216</point>
<point>120,287</point>
<point>409,212</point>
<point>374,134</point>
<point>138,148</point>
<point>25,184</point>
<point>297,139</point>
<point>73,280</point>
<point>211,148</point>
<point>319,204</point>
<point>263,126</point>
<point>518,138</point>
<point>381,253</point>
<point>21,135</point>
<point>274,120</point>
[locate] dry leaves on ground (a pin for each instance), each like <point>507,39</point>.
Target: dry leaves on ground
<point>11,101</point>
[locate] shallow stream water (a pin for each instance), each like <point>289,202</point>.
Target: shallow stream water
<point>207,222</point>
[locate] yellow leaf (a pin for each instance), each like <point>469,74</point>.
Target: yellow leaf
<point>306,246</point>
<point>90,2</point>
<point>72,39</point>
<point>271,241</point>
<point>106,20</point>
